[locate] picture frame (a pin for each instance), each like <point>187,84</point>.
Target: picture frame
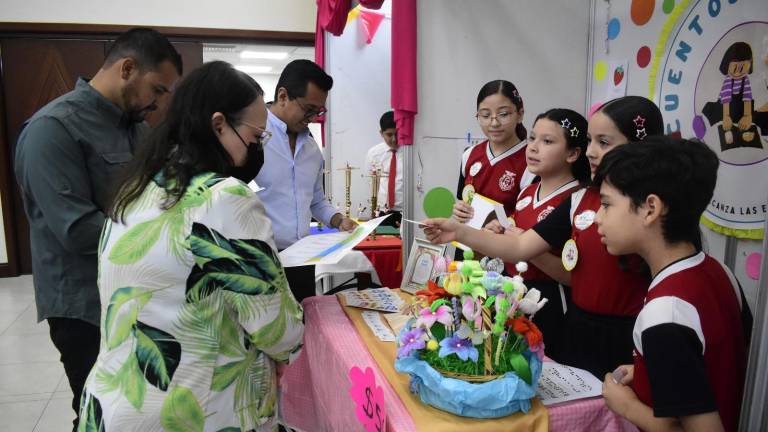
<point>421,265</point>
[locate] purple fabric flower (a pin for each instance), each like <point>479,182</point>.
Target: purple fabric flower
<point>427,318</point>
<point>461,347</point>
<point>411,341</point>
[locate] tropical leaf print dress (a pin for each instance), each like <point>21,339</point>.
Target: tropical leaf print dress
<point>195,310</point>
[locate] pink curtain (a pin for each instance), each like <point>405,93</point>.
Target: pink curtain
<point>404,95</point>
<point>332,17</point>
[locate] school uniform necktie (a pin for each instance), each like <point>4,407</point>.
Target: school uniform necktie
<point>391,179</point>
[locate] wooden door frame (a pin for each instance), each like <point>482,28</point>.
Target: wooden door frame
<point>99,32</point>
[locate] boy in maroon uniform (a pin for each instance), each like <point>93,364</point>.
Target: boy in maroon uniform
<point>691,336</point>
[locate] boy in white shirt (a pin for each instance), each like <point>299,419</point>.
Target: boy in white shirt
<point>388,158</point>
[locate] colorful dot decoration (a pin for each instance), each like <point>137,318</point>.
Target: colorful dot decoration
<point>668,6</point>
<point>643,56</point>
<point>601,69</point>
<point>614,28</point>
<point>641,11</point>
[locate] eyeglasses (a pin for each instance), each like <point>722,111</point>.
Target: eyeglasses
<point>263,137</point>
<point>308,112</point>
<point>485,118</point>
<point>311,112</point>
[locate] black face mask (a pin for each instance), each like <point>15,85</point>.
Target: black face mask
<point>253,163</point>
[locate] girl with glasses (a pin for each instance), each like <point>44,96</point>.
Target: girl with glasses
<point>495,168</point>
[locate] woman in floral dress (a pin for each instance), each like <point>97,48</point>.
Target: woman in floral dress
<point>195,309</point>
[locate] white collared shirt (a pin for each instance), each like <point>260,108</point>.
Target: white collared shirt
<point>293,184</point>
<point>380,156</point>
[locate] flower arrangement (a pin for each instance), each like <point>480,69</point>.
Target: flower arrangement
<point>471,347</point>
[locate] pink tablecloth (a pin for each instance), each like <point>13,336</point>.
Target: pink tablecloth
<point>315,387</point>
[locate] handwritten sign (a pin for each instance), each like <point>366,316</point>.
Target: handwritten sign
<point>368,399</point>
<point>560,383</point>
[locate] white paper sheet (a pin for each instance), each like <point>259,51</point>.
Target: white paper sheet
<point>378,327</point>
<point>326,248</point>
<point>482,208</point>
<point>561,383</point>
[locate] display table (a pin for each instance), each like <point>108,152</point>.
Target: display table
<point>385,253</point>
<point>315,387</point>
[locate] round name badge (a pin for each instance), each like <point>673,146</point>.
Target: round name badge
<point>584,219</point>
<point>467,193</point>
<point>475,168</point>
<point>523,203</point>
<point>570,255</point>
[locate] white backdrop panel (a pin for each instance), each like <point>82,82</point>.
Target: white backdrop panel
<point>541,47</point>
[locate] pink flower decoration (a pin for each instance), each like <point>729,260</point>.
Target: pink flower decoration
<point>471,309</point>
<point>427,318</point>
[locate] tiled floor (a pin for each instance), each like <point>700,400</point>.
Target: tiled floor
<point>34,393</point>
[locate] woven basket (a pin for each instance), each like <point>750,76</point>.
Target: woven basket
<point>489,374</point>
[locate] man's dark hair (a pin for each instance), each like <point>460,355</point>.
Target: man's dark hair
<point>148,47</point>
<point>387,121</point>
<point>298,73</point>
<point>682,173</point>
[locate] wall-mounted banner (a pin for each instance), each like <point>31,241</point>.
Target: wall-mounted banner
<point>711,82</point>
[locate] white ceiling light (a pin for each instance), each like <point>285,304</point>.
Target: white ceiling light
<point>251,69</point>
<point>263,55</point>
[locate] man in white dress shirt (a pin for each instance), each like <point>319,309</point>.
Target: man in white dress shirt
<point>292,175</point>
<point>388,157</point>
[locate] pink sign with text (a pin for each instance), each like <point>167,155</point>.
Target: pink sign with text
<point>368,399</point>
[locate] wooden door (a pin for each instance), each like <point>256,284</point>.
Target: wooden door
<point>34,72</point>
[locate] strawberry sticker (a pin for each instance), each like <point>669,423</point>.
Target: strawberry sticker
<point>618,75</point>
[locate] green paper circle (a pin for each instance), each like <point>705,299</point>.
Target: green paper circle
<point>438,202</point>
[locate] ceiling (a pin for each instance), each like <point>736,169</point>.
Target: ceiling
<point>231,53</point>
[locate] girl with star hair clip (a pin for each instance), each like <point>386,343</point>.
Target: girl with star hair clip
<point>556,154</point>
<point>607,291</point>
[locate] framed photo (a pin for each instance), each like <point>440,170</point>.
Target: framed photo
<point>421,265</point>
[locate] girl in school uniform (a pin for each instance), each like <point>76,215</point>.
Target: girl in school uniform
<point>607,291</point>
<point>556,154</point>
<point>495,168</point>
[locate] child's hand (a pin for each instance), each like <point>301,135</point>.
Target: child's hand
<point>513,231</point>
<point>727,123</point>
<point>462,211</point>
<point>494,226</point>
<point>626,372</point>
<point>745,122</point>
<point>617,397</point>
<point>441,230</point>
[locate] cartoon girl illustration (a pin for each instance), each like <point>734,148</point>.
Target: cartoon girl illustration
<point>734,107</point>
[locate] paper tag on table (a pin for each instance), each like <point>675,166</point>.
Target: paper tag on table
<point>561,383</point>
<point>326,248</point>
<point>483,207</point>
<point>381,299</point>
<point>378,327</point>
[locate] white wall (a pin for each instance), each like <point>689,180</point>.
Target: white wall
<point>275,15</point>
<point>360,95</point>
<point>539,46</point>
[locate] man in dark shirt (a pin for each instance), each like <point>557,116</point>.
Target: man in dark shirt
<point>67,159</point>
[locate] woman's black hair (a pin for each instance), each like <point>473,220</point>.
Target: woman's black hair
<point>574,126</point>
<point>739,51</point>
<point>682,173</point>
<point>508,90</point>
<point>635,116</point>
<point>185,144</point>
